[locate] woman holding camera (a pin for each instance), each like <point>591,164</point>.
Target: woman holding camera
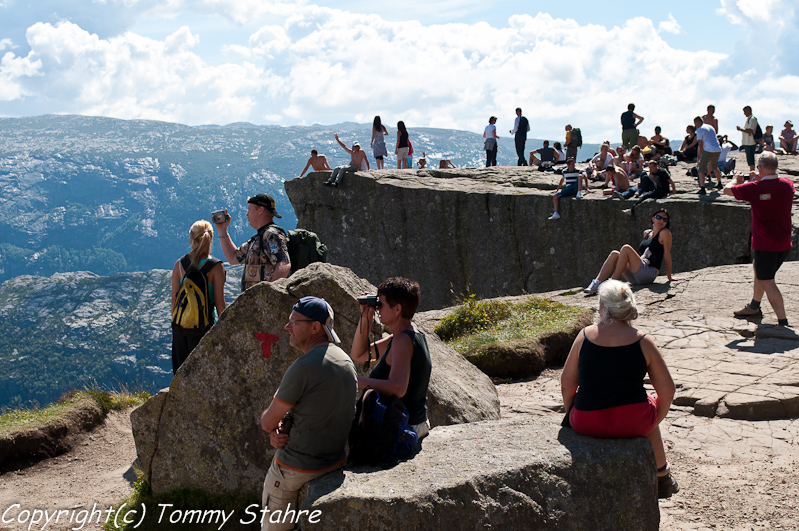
<point>603,379</point>
<point>403,359</point>
<point>201,236</point>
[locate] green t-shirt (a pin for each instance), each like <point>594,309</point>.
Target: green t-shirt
<point>320,387</point>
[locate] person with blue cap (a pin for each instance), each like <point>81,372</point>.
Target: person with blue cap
<point>317,393</point>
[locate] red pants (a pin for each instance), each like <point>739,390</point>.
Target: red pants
<point>620,422</point>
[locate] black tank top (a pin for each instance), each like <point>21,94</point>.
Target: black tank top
<point>653,244</point>
<point>610,376</point>
<point>627,120</point>
<point>403,141</point>
<point>415,398</point>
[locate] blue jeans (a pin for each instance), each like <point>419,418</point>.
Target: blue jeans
<point>339,171</point>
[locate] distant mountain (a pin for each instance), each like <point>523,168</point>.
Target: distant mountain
<point>78,329</point>
<point>107,196</point>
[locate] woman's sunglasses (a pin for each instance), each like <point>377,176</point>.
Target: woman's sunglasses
<point>661,218</point>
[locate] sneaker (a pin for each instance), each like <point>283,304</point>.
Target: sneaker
<point>667,486</point>
<point>579,194</point>
<point>747,311</point>
<point>719,186</point>
<point>327,183</point>
<point>628,211</point>
<point>592,287</point>
<point>702,191</point>
<point>618,195</point>
<point>334,184</point>
<point>554,216</point>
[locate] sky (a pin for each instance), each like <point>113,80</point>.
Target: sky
<point>431,63</point>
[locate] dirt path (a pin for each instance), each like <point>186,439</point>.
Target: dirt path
<point>97,470</point>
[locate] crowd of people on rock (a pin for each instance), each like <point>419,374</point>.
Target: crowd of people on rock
<point>603,378</point>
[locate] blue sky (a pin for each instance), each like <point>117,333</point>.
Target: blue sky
<point>434,63</point>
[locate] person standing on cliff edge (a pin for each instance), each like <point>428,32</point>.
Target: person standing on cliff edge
<point>771,197</point>
<point>629,127</point>
<point>520,129</point>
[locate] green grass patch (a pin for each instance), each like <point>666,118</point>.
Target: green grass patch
<point>479,323</point>
<point>184,507</point>
<point>36,418</point>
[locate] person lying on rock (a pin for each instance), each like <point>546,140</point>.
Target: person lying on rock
<point>603,380</point>
<point>318,390</point>
<point>403,359</point>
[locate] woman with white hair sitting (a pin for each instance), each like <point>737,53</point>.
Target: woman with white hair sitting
<point>603,379</point>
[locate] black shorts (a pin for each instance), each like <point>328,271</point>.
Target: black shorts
<point>768,262</point>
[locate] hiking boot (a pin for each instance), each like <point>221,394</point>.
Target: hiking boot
<point>747,312</point>
<point>592,287</point>
<point>667,486</point>
<point>554,216</point>
<point>719,186</point>
<point>702,191</point>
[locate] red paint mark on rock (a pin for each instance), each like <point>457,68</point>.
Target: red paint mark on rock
<point>266,342</point>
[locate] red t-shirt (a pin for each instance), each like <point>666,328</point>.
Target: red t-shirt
<point>771,201</point>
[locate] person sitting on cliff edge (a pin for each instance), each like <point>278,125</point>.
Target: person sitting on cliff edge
<point>357,160</point>
<point>265,256</point>
<point>317,162</point>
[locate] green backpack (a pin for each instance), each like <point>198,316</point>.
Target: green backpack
<point>577,137</point>
<point>304,248</point>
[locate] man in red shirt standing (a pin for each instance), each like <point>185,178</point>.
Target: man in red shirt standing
<point>771,197</point>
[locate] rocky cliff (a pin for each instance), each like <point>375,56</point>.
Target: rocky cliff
<point>485,231</point>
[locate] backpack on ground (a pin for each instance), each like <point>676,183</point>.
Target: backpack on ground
<point>546,166</point>
<point>304,248</point>
<point>193,313</point>
<point>577,138</point>
<point>758,133</point>
<point>380,434</point>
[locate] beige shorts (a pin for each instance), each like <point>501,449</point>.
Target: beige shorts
<point>708,158</point>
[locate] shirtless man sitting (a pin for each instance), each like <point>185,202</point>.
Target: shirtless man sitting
<point>317,162</point>
<point>357,159</point>
<point>621,183</point>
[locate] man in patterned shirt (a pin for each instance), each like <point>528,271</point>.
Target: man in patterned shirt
<point>265,256</point>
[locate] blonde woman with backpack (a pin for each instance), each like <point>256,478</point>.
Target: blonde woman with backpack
<point>193,310</point>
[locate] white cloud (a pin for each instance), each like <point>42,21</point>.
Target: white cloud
<point>670,26</point>
<point>6,44</point>
<point>321,65</point>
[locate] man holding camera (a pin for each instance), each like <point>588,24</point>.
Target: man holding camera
<point>319,390</point>
<point>265,256</point>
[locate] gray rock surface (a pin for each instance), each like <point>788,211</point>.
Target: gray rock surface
<point>508,474</point>
<point>722,366</point>
<point>204,431</point>
<point>485,231</point>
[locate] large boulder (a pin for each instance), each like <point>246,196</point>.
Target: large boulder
<point>204,431</point>
<point>506,474</point>
<point>485,231</point>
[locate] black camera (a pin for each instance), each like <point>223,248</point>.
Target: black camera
<point>370,300</point>
<point>287,423</point>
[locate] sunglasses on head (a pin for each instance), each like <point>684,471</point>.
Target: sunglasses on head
<point>662,218</point>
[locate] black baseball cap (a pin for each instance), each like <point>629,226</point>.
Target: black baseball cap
<point>266,201</point>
